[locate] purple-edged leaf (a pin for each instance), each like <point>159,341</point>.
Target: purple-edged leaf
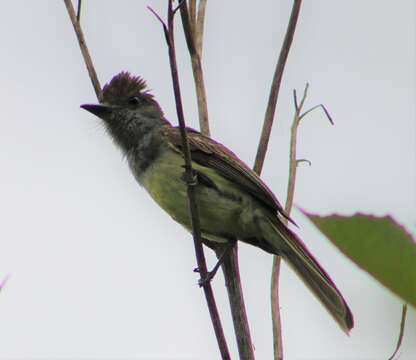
<point>378,245</point>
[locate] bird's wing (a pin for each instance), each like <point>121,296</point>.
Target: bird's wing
<point>209,153</point>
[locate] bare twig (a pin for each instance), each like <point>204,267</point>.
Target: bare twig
<point>401,333</point>
<point>84,50</point>
<point>274,91</point>
<point>193,30</point>
<point>192,15</point>
<point>79,10</point>
<point>293,164</point>
<point>191,182</point>
<point>199,29</point>
<point>238,310</point>
<point>274,292</point>
<point>258,165</point>
<point>322,106</point>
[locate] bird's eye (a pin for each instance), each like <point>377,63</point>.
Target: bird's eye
<point>134,100</point>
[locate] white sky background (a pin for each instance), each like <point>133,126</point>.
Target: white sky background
<point>99,271</point>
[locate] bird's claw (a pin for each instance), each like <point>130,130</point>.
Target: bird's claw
<point>207,279</point>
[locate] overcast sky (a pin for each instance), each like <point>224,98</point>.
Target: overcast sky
<point>97,270</point>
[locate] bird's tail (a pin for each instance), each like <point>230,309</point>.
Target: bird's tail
<point>287,244</point>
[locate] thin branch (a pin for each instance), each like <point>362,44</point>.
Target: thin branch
<point>181,2</point>
<point>230,266</point>
<point>322,106</point>
<point>293,162</point>
<point>401,333</point>
<point>274,91</point>
<point>232,278</point>
<point>258,165</point>
<point>192,15</point>
<point>190,36</point>
<point>84,50</point>
<point>199,29</point>
<point>79,10</point>
<point>191,181</point>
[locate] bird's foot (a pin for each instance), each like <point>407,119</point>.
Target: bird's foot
<point>207,279</point>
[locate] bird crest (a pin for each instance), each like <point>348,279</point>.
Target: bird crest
<point>123,86</point>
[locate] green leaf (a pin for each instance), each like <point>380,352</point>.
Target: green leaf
<point>379,245</point>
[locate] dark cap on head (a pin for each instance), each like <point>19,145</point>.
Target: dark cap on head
<point>124,86</point>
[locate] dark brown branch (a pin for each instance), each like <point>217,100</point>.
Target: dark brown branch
<point>274,91</point>
<point>232,278</point>
<point>238,309</point>
<point>84,50</point>
<point>191,183</point>
<point>193,29</point>
<point>401,333</point>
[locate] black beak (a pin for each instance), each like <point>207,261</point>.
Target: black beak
<point>97,109</point>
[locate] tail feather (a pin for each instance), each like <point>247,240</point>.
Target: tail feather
<point>287,244</point>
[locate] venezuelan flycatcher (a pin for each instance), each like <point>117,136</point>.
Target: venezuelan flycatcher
<point>233,202</point>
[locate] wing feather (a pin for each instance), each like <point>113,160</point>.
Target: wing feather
<point>208,152</point>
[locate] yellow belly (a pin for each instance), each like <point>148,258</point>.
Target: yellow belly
<point>219,210</point>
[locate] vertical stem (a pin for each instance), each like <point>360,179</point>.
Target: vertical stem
<point>191,35</point>
<point>199,29</point>
<point>258,166</point>
<point>191,183</point>
<point>232,278</point>
<point>194,39</point>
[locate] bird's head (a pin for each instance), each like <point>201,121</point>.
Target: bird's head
<point>128,109</point>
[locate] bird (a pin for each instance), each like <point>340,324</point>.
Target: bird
<point>234,203</point>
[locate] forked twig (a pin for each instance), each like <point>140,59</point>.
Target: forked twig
<point>191,182</point>
<point>322,106</point>
<point>293,164</point>
<point>84,50</point>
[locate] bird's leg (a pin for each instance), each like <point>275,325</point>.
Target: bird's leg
<point>210,274</point>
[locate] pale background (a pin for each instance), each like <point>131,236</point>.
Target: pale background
<point>99,271</point>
